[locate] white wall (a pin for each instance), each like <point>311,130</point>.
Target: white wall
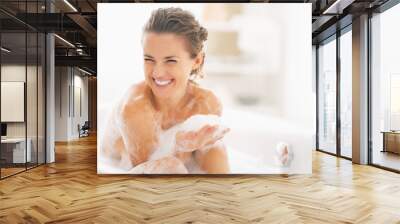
<point>298,80</point>
<point>62,81</point>
<point>80,83</point>
<point>68,81</point>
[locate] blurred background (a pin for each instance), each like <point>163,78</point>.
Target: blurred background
<point>251,60</point>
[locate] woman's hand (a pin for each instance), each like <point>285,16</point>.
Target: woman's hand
<point>194,140</point>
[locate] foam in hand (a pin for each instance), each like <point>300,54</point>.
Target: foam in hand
<point>193,123</point>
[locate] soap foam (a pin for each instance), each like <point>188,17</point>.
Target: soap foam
<point>193,123</point>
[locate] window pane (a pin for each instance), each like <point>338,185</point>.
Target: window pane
<point>385,89</point>
<point>327,96</point>
<point>346,94</point>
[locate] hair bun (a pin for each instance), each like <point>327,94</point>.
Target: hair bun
<point>203,33</point>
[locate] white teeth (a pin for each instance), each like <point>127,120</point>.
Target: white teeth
<point>162,82</point>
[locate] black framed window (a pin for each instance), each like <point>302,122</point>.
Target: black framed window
<point>22,76</point>
<point>334,94</point>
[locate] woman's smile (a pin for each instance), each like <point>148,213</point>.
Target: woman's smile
<point>163,82</point>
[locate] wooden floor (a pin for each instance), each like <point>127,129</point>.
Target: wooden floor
<point>70,191</point>
<point>5,172</point>
<point>10,171</point>
<point>388,159</point>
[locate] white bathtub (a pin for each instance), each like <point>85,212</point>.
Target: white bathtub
<point>252,141</point>
<point>251,145</point>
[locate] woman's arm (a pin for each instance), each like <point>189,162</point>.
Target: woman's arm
<point>138,129</point>
<point>214,159</point>
<point>130,133</point>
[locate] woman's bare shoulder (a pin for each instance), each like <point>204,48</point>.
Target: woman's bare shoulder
<point>135,98</point>
<point>207,100</point>
<point>134,92</point>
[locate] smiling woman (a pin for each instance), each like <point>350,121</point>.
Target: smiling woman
<point>173,58</point>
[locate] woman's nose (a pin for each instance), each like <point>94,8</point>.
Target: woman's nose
<point>158,71</point>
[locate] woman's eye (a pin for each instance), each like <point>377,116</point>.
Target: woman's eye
<point>171,61</point>
<point>148,60</point>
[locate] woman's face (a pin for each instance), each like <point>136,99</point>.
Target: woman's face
<point>167,64</point>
